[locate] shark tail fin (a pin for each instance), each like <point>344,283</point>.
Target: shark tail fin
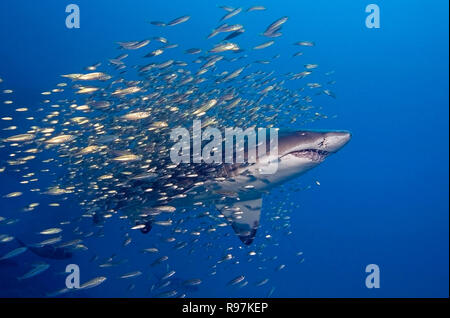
<point>244,217</point>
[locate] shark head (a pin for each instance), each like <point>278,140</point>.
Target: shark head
<point>298,152</point>
<point>302,150</point>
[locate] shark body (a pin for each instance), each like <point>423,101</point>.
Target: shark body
<point>238,192</point>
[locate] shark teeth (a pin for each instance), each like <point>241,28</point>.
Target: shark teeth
<point>312,154</point>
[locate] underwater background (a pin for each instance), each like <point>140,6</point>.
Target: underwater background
<point>382,200</point>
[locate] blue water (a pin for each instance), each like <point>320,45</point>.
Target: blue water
<point>382,200</point>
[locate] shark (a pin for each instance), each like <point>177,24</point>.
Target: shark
<point>237,190</point>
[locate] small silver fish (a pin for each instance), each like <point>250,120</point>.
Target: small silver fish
<point>93,282</point>
<point>132,274</point>
<point>264,45</point>
<point>231,14</point>
<point>178,20</point>
<point>236,280</point>
<point>14,253</point>
<point>39,268</point>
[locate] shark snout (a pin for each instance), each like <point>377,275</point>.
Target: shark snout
<point>335,140</point>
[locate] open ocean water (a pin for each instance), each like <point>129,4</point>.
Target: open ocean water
<point>383,199</point>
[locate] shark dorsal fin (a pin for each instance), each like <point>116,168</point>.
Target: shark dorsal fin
<point>244,217</point>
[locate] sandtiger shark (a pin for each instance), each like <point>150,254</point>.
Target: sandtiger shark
<point>238,194</point>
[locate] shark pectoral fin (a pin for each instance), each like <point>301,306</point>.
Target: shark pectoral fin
<point>244,217</point>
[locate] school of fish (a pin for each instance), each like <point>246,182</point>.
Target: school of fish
<point>99,141</point>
